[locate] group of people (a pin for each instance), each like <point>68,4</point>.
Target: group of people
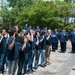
<point>19,49</point>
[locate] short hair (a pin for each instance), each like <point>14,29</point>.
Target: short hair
<point>21,39</point>
<point>11,31</point>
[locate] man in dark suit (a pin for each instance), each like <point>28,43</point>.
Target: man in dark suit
<point>72,39</point>
<point>63,37</point>
<point>57,33</point>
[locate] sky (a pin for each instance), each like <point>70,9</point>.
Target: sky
<point>4,2</point>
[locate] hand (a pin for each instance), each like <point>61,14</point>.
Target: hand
<point>37,43</point>
<point>25,40</point>
<point>49,35</point>
<point>32,34</point>
<point>43,37</point>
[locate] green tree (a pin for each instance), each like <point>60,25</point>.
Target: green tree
<point>65,11</point>
<point>5,15</point>
<point>53,15</point>
<point>42,14</point>
<point>67,0</point>
<point>21,3</point>
<point>46,14</point>
<point>72,1</point>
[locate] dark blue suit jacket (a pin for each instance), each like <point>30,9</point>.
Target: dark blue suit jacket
<point>63,36</point>
<point>54,38</point>
<point>72,36</point>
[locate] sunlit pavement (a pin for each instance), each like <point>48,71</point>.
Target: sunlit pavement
<point>62,64</point>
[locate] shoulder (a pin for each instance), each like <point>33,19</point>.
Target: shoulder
<point>19,43</point>
<point>10,38</point>
<point>72,32</point>
<point>66,32</point>
<point>28,44</point>
<point>0,37</point>
<point>60,33</point>
<point>41,36</point>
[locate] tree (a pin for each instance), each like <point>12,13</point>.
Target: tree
<point>42,14</point>
<point>5,15</point>
<point>71,1</point>
<point>46,14</point>
<point>21,3</point>
<point>64,10</point>
<point>67,0</point>
<point>50,14</point>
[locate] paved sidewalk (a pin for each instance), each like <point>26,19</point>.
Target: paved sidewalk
<point>72,71</point>
<point>62,64</point>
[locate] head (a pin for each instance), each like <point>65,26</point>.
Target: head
<point>37,34</point>
<point>21,39</point>
<point>49,31</point>
<point>52,32</point>
<point>32,31</point>
<point>3,32</point>
<point>23,31</point>
<point>12,32</point>
<point>37,26</point>
<point>45,28</point>
<point>17,29</point>
<point>26,25</point>
<point>28,37</point>
<point>44,32</point>
<point>63,30</point>
<point>30,27</point>
<point>55,30</point>
<point>74,29</point>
